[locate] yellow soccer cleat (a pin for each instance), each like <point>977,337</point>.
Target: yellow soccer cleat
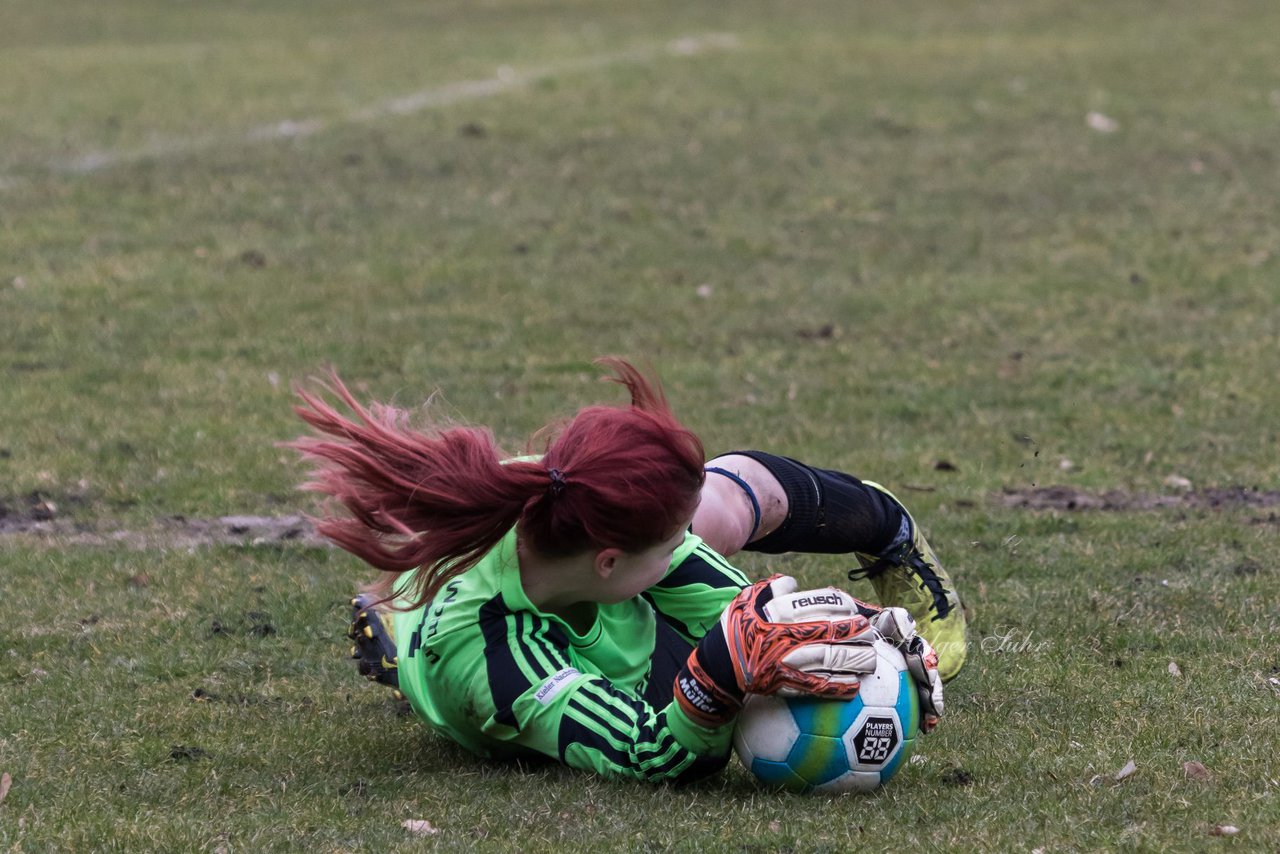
<point>909,575</point>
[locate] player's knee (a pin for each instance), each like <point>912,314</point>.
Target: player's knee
<point>744,499</point>
<point>767,491</point>
<point>723,520</point>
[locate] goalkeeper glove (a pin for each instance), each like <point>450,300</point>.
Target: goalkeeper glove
<point>897,626</point>
<point>771,639</point>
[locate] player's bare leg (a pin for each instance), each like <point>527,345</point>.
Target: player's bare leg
<point>737,489</point>
<point>762,502</point>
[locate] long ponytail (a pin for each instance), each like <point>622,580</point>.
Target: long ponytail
<point>439,500</point>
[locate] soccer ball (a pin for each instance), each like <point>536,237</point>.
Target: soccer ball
<point>807,744</point>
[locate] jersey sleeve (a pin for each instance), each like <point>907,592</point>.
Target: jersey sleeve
<point>540,702</point>
<point>696,590</point>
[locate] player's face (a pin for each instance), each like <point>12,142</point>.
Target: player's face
<point>636,572</point>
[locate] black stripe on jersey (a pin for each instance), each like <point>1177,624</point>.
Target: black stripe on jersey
<point>606,732</point>
<point>703,566</point>
<point>531,621</point>
<point>679,625</point>
<point>575,731</point>
<point>670,652</point>
<point>716,559</point>
<point>506,680</point>
<point>702,767</point>
<point>621,724</point>
<point>551,640</point>
<point>644,735</point>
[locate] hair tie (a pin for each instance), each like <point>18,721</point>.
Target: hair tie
<point>557,483</point>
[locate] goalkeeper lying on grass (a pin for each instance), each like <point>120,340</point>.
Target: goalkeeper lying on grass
<point>578,605</point>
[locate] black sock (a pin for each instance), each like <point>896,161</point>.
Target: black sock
<point>829,512</point>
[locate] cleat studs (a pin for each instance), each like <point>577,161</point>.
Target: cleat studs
<point>398,695</point>
<point>355,652</point>
<point>368,632</point>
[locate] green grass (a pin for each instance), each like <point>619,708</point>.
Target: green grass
<point>874,236</point>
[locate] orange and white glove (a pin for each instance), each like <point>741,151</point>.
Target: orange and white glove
<point>897,626</point>
<point>772,639</point>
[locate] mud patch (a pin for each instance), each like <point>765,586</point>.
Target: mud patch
<point>39,521</point>
<point>1117,500</point>
<point>238,530</point>
<point>42,518</point>
<point>187,753</point>
<point>19,513</point>
<point>957,776</point>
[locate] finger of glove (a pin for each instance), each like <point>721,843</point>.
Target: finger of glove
<point>781,585</point>
<point>850,680</point>
<point>759,595</point>
<point>751,600</point>
<point>827,603</point>
<point>924,649</point>
<point>924,658</point>
<point>896,624</point>
<point>856,629</point>
<point>797,683</point>
<point>929,685</point>
<point>830,659</point>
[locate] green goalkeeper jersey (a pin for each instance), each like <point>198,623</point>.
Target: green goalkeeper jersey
<point>489,670</point>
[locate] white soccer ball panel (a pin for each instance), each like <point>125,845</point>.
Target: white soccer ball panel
<point>766,730</point>
<point>853,781</point>
<point>881,688</point>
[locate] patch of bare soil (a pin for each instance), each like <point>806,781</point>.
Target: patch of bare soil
<point>40,517</point>
<point>1118,500</point>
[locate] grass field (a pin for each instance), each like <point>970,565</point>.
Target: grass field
<point>969,250</point>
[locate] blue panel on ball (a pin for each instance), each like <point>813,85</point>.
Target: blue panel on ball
<point>817,759</point>
<point>777,774</point>
<point>817,716</point>
<point>908,709</point>
<point>895,762</point>
<point>908,705</point>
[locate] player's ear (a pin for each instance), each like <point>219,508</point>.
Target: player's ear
<point>606,562</point>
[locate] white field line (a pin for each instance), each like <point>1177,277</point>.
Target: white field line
<point>506,80</point>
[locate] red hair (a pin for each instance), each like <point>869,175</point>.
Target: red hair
<point>438,500</point>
